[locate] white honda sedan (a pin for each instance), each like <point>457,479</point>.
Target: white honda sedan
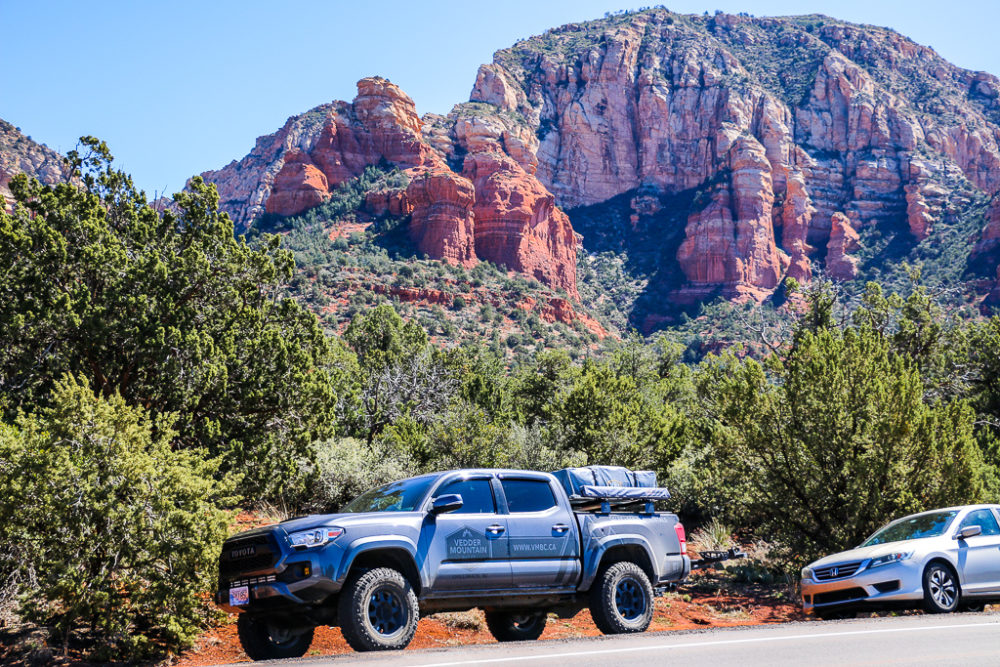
<point>943,560</point>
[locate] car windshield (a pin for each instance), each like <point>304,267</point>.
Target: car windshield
<point>931,524</point>
<point>402,496</point>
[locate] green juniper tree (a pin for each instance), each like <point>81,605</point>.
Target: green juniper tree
<point>167,309</point>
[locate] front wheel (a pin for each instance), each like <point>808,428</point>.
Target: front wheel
<point>262,640</point>
<point>622,600</point>
<point>941,590</point>
<point>508,626</point>
<point>378,611</point>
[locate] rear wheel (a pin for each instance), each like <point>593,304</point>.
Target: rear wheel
<point>378,611</point>
<point>941,590</point>
<point>262,640</point>
<point>621,599</point>
<point>508,626</point>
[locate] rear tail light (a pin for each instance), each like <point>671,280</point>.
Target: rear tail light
<point>681,536</point>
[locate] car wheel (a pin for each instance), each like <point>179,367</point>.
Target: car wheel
<point>378,611</point>
<point>508,626</point>
<point>621,600</point>
<point>941,590</point>
<point>262,640</point>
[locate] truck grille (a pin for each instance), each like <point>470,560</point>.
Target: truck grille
<point>247,554</point>
<point>838,571</point>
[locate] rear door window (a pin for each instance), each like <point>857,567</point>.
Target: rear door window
<point>528,495</point>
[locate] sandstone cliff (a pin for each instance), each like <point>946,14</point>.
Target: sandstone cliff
<point>771,147</point>
<point>786,121</point>
<point>19,154</point>
<point>493,208</point>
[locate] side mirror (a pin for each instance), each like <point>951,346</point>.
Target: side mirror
<point>449,502</point>
<point>969,531</point>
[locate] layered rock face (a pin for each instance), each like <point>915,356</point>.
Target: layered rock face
<point>495,209</point>
<point>797,138</point>
<point>832,119</point>
<point>442,207</point>
<point>19,154</point>
<point>296,167</point>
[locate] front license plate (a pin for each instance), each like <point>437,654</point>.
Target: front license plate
<point>239,596</point>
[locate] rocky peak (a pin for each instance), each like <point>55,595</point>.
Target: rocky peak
<point>20,155</point>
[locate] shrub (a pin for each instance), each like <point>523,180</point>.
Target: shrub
<point>118,533</point>
<point>344,468</point>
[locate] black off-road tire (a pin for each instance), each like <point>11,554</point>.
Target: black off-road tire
<point>264,641</point>
<point>621,599</point>
<point>378,611</point>
<point>942,593</point>
<point>507,626</point>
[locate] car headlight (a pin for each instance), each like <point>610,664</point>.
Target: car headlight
<point>315,537</point>
<point>807,573</point>
<point>890,558</point>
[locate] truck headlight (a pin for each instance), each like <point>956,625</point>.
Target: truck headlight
<point>315,537</point>
<point>890,558</point>
<point>807,573</point>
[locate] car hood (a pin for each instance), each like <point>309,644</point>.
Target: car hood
<point>864,553</point>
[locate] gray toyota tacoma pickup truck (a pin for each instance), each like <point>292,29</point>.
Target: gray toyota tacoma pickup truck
<point>517,544</point>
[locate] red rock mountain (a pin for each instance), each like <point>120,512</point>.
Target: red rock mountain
<point>19,154</point>
<point>775,147</point>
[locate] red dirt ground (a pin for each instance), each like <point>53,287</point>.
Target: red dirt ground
<point>673,612</point>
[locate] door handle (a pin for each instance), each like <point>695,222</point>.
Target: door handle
<point>560,528</point>
<point>495,530</point>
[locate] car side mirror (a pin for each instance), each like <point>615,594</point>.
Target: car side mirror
<point>449,502</point>
<point>969,531</point>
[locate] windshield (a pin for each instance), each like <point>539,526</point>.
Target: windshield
<point>932,524</point>
<point>402,496</point>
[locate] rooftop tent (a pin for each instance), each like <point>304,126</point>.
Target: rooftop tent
<point>611,482</point>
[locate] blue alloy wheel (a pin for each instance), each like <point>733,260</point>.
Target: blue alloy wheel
<point>630,599</point>
<point>385,612</point>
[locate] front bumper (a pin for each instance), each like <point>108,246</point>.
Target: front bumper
<point>895,585</point>
<point>290,578</point>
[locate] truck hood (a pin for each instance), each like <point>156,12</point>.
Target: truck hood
<point>388,519</point>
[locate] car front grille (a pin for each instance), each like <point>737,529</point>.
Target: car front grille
<point>838,571</point>
<point>248,554</point>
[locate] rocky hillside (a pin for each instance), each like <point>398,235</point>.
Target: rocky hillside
<point>19,154</point>
<point>700,155</point>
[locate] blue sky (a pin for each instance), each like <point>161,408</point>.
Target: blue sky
<point>176,88</point>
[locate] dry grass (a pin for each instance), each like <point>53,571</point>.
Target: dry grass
<point>713,536</point>
<point>462,620</point>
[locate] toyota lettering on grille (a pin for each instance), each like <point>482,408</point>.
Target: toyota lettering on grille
<point>243,552</point>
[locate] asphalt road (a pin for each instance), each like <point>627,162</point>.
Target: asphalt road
<point>957,639</point>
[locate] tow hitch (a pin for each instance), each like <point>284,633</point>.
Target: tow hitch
<point>709,559</point>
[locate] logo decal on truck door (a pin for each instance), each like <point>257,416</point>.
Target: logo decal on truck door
<point>467,544</point>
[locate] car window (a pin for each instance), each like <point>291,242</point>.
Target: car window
<point>401,496</point>
<point>526,495</point>
<point>931,524</point>
<point>477,495</point>
<point>984,519</point>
